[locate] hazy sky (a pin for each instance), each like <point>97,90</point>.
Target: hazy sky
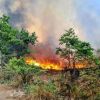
<point>49,18</point>
<point>89,17</point>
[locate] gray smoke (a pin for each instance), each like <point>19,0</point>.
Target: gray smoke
<point>48,18</point>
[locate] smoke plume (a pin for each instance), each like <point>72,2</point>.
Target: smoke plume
<point>48,18</point>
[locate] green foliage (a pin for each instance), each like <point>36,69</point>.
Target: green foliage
<point>6,77</point>
<point>13,41</point>
<point>84,50</point>
<point>43,91</point>
<point>19,66</point>
<point>69,39</point>
<point>72,46</point>
<point>19,69</point>
<point>50,87</point>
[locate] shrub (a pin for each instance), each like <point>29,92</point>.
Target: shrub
<point>41,90</point>
<point>18,70</point>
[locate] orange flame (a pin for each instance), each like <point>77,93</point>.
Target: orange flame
<point>44,64</point>
<point>47,64</point>
<point>45,57</point>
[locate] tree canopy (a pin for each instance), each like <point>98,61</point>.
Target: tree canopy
<point>73,48</point>
<point>14,41</point>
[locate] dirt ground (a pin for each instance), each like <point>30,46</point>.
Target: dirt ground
<point>7,93</point>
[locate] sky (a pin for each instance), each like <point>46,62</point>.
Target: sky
<point>89,17</point>
<point>50,18</point>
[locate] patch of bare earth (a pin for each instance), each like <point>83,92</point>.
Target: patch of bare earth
<point>7,93</point>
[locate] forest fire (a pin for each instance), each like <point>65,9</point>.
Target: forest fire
<point>44,56</point>
<point>47,59</point>
<point>46,64</point>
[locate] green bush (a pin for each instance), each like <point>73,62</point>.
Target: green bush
<point>17,70</point>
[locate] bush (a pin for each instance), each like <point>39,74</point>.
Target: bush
<point>17,70</point>
<point>41,90</point>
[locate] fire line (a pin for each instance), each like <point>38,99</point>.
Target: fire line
<point>47,64</point>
